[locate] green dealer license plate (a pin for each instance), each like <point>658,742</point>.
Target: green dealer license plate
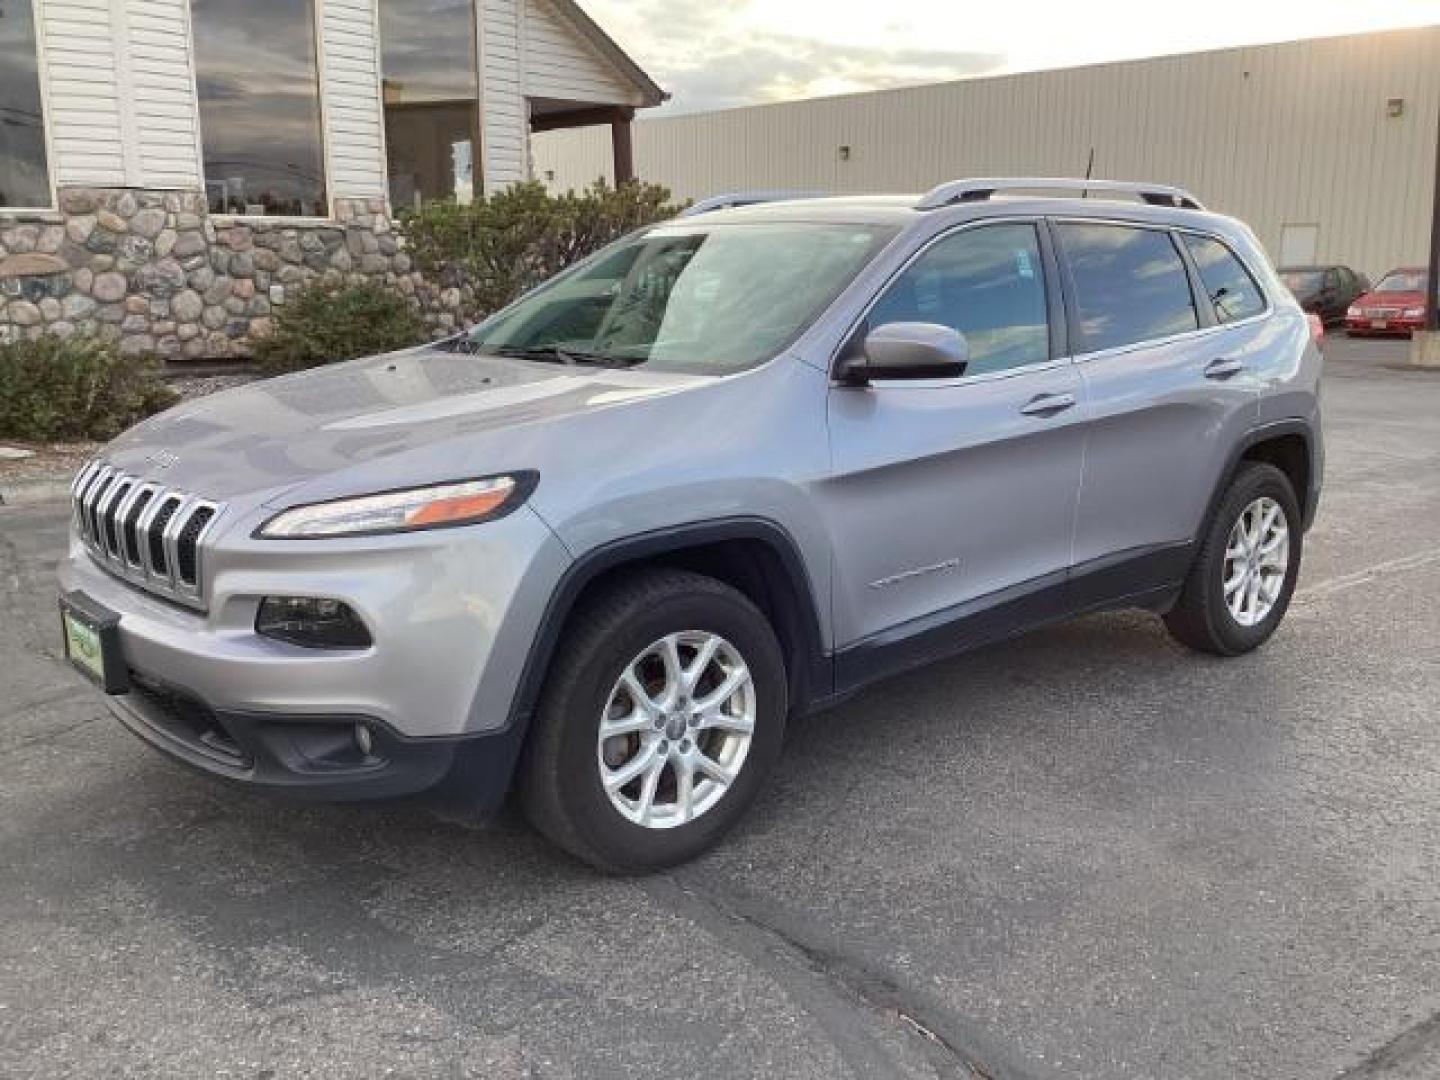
<point>92,641</point>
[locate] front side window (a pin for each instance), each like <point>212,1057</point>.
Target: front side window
<point>989,284</point>
<point>1130,285</point>
<point>432,99</point>
<point>686,297</point>
<point>24,171</point>
<point>259,85</point>
<point>1231,289</point>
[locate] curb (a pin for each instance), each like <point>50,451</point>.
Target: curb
<point>35,492</point>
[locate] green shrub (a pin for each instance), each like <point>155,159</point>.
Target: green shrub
<point>503,245</point>
<point>325,325</point>
<point>56,389</point>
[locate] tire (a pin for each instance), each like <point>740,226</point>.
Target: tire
<point>562,779</point>
<point>1203,618</point>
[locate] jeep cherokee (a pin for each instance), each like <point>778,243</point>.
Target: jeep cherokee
<point>732,467</point>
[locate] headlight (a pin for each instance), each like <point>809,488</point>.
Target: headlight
<point>1414,313</point>
<point>437,507</point>
<point>1354,313</point>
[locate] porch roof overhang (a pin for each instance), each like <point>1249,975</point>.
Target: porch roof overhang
<point>649,91</point>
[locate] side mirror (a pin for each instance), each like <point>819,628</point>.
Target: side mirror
<point>906,350</point>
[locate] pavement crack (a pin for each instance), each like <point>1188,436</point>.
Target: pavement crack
<point>1417,1045</point>
<point>953,1047</point>
<point>52,736</point>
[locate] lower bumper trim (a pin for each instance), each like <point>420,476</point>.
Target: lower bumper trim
<point>306,757</point>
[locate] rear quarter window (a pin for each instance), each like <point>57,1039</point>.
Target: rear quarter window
<point>1231,290</point>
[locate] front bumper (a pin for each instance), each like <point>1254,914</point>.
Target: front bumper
<point>452,615</point>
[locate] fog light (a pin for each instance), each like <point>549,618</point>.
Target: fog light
<point>363,741</point>
<point>311,622</point>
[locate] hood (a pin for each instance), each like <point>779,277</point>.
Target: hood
<point>423,415</point>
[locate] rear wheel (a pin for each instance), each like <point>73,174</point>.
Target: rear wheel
<point>1240,585</point>
<point>664,708</point>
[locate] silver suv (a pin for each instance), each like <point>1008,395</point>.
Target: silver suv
<point>733,467</point>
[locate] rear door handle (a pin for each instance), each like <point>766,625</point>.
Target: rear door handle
<point>1048,404</point>
<point>1223,368</point>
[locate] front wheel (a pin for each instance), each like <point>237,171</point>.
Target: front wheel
<point>664,708</point>
<point>1240,585</point>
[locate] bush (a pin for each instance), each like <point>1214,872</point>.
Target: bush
<point>55,389</point>
<point>505,244</point>
<point>325,325</point>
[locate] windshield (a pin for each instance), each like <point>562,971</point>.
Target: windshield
<point>1303,282</point>
<point>687,297</point>
<point>1401,281</point>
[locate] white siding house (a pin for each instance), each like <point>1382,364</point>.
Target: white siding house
<point>171,170</point>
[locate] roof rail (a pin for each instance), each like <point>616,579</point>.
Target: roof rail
<point>746,198</point>
<point>980,189</point>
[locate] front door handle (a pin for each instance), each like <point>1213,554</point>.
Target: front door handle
<point>1223,368</point>
<point>1048,405</point>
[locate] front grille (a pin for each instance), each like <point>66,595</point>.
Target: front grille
<point>144,532</point>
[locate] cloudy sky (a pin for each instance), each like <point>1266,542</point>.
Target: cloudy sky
<point>715,54</point>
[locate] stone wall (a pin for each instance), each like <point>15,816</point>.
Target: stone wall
<point>155,272</point>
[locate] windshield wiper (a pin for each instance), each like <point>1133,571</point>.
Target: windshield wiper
<point>560,355</point>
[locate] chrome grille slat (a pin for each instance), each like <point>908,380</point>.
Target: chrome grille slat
<point>92,498</point>
<point>125,526</point>
<point>144,532</point>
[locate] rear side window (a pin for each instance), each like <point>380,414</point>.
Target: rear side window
<point>1130,285</point>
<point>988,283</point>
<point>1229,285</point>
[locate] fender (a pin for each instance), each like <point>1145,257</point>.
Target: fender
<point>481,776</point>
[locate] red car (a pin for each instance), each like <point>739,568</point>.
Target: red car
<point>1395,306</point>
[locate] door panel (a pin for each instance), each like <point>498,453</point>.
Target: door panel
<point>945,494</point>
<point>1160,433</point>
<point>1165,409</point>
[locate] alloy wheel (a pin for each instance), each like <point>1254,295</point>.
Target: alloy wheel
<point>676,729</point>
<point>1257,558</point>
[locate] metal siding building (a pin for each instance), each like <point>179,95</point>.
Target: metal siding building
<point>1297,139</point>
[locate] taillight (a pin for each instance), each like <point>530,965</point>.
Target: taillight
<point>1317,328</point>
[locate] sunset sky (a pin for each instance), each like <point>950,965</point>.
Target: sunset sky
<point>722,53</point>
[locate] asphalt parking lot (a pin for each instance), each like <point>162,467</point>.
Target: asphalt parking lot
<point>1087,854</point>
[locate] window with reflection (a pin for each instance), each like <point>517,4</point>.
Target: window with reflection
<point>432,99</point>
<point>986,282</point>
<point>24,172</point>
<point>258,76</point>
<point>1130,285</point>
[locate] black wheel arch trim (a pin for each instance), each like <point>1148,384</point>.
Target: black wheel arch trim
<point>652,545</point>
<point>1309,500</point>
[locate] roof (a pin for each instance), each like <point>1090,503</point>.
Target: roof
<point>594,33</point>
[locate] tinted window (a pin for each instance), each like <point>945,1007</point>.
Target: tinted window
<point>255,67</point>
<point>24,180</point>
<point>1130,285</point>
<point>431,99</point>
<point>989,284</point>
<point>1229,285</point>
